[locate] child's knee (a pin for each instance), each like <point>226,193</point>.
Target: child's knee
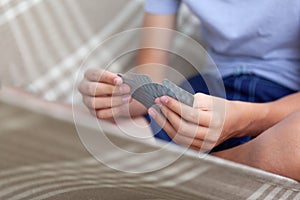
<point>292,127</point>
<point>292,136</point>
<point>291,130</point>
<point>294,117</point>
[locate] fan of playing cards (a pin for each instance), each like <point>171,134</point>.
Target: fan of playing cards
<point>145,91</point>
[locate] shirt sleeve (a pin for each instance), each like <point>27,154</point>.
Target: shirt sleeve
<point>162,6</point>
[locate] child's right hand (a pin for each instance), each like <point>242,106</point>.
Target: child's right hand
<point>104,93</point>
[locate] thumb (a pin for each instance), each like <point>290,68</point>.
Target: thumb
<point>203,101</point>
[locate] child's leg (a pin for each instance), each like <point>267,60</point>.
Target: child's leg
<point>277,150</point>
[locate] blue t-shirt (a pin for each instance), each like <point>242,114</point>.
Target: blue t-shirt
<point>259,36</point>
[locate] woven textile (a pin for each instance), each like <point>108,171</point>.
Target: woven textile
<point>43,158</point>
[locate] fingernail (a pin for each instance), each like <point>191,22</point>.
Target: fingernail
<point>118,81</point>
<point>126,99</point>
<point>164,99</point>
<point>158,102</point>
<point>124,89</point>
<point>159,105</point>
<point>152,112</point>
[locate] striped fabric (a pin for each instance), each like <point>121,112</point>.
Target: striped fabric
<point>43,158</point>
<point>49,39</point>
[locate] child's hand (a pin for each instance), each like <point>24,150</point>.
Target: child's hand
<point>200,127</point>
<point>104,93</point>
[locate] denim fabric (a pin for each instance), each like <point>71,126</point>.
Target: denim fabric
<point>242,87</point>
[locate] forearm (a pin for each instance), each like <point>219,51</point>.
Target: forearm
<point>150,60</point>
<point>258,117</point>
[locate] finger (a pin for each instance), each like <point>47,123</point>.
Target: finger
<point>186,141</point>
<point>188,113</point>
<point>110,113</point>
<point>193,134</point>
<point>183,127</point>
<point>162,122</point>
<point>201,146</point>
<point>199,149</point>
<point>203,101</point>
<point>105,102</point>
<point>177,138</point>
<point>100,75</point>
<point>208,146</point>
<point>101,89</point>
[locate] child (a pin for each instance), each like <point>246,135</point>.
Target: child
<point>256,46</point>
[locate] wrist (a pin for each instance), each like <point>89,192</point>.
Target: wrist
<point>250,119</point>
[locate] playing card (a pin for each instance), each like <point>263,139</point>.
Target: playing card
<point>144,91</point>
<point>135,80</point>
<point>181,94</point>
<point>149,92</point>
<point>164,91</point>
<point>143,97</point>
<point>141,78</point>
<point>151,89</point>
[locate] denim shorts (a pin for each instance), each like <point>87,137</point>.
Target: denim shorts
<point>241,87</point>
